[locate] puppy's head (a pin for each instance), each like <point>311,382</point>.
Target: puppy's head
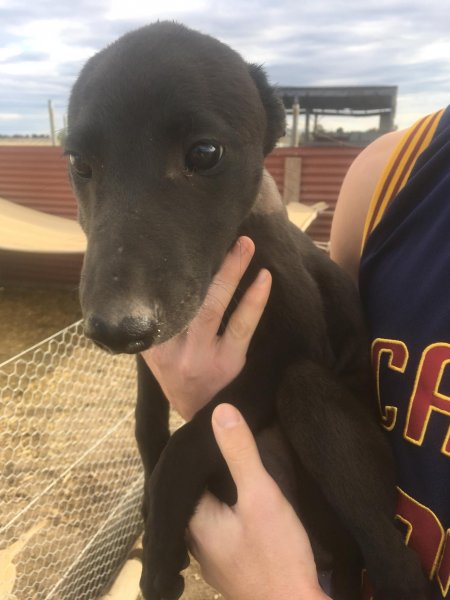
<point>168,129</point>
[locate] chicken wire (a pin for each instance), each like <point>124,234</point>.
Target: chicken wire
<point>71,483</point>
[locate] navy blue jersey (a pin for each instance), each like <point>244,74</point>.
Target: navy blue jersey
<point>405,291</point>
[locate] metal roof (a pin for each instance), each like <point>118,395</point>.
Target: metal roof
<point>356,100</point>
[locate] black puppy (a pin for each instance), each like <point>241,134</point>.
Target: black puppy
<point>168,129</point>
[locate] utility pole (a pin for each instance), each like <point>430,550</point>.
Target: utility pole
<point>295,116</point>
<point>52,123</point>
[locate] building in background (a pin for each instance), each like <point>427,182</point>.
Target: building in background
<point>312,103</point>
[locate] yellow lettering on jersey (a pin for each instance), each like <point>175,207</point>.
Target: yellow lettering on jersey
<point>443,575</point>
<point>426,397</point>
<point>398,358</point>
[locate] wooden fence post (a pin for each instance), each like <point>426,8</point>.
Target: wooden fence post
<point>292,179</point>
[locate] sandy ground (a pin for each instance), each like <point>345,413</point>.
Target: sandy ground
<point>27,316</point>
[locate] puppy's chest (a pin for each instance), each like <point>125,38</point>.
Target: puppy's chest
<point>285,335</point>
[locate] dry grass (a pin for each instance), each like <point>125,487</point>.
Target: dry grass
<point>25,141</point>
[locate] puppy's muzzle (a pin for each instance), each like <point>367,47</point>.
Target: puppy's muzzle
<point>129,335</point>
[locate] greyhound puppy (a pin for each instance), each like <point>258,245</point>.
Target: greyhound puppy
<point>168,130</point>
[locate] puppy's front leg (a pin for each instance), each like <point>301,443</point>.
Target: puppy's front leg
<point>339,442</point>
<point>174,489</point>
<point>190,461</point>
<point>152,423</point>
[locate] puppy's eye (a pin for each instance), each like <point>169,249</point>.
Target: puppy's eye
<point>80,166</point>
<point>203,156</point>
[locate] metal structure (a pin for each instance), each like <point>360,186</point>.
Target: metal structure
<point>355,101</point>
<point>71,480</point>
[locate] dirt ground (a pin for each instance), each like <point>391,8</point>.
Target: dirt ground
<point>28,316</point>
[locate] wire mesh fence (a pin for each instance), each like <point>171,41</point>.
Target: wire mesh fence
<point>71,478</point>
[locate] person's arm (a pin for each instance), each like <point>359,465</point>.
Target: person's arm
<point>258,548</point>
<point>354,200</point>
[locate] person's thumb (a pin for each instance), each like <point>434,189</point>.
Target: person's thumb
<point>238,447</point>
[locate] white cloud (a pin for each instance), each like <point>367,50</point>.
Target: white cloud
<point>431,51</point>
<point>10,51</point>
<point>119,10</point>
<point>411,106</point>
<point>9,116</point>
<point>49,38</point>
<point>30,68</point>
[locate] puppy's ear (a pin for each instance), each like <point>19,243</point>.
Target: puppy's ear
<point>276,118</point>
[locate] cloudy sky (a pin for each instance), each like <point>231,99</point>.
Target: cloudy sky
<point>44,43</point>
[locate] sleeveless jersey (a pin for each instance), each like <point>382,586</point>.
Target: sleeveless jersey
<point>405,291</point>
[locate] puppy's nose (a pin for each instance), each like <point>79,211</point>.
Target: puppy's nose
<point>130,335</point>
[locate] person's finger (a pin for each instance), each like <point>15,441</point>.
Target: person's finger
<point>222,288</point>
<point>246,316</point>
<point>238,447</point>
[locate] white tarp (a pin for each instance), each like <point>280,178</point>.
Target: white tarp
<point>23,229</point>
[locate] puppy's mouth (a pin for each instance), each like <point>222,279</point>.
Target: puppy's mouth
<point>132,347</point>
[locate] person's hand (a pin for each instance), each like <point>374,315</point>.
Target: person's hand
<point>195,365</point>
<point>257,548</point>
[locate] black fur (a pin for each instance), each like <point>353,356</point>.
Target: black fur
<point>157,234</point>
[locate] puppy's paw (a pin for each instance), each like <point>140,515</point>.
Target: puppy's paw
<point>158,591</point>
<point>161,566</point>
<point>405,580</point>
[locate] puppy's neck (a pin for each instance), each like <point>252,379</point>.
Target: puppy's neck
<point>269,199</point>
